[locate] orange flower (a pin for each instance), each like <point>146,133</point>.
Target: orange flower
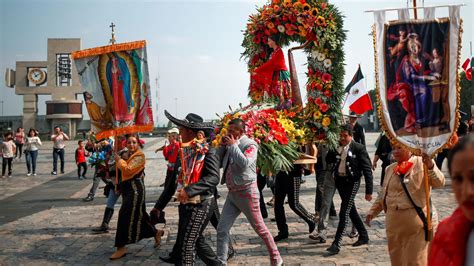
<point>270,25</point>
<point>276,8</point>
<point>320,21</point>
<point>306,7</point>
<point>303,31</point>
<point>326,121</point>
<point>314,12</point>
<point>287,3</point>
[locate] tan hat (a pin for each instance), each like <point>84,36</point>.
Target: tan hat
<point>173,130</point>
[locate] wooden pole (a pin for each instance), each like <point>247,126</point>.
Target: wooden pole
<point>428,206</point>
<point>415,11</point>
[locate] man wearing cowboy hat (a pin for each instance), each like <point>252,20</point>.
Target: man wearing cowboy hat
<point>197,179</point>
<point>359,133</point>
<point>239,160</point>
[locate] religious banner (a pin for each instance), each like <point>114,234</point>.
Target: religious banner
<point>116,88</point>
<point>417,62</point>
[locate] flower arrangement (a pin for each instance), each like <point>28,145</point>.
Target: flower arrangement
<point>276,134</point>
<point>300,21</point>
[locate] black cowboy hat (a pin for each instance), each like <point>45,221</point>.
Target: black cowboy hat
<point>353,115</point>
<point>192,121</point>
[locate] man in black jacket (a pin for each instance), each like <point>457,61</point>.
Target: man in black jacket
<point>351,161</point>
<point>193,217</point>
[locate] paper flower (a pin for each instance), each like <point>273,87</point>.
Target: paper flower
<point>281,28</point>
<point>327,63</point>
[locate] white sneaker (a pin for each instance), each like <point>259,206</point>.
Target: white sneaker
<point>34,174</point>
<point>9,175</point>
<point>28,174</point>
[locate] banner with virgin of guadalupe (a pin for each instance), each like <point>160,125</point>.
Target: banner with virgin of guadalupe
<point>116,88</point>
<point>416,63</point>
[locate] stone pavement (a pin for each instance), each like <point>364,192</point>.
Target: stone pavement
<point>44,221</point>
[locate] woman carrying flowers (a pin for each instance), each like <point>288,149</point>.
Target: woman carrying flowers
<point>403,198</point>
<point>272,77</point>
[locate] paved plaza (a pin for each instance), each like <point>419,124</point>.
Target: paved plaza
<point>44,221</point>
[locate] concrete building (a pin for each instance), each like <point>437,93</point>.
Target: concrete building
<point>57,76</point>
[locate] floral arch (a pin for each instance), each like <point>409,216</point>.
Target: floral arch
<point>318,27</point>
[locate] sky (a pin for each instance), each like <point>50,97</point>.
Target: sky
<point>193,47</point>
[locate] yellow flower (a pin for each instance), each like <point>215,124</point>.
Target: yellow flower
<point>326,121</point>
<point>237,115</point>
<point>317,115</point>
<point>314,12</point>
<point>223,132</point>
<point>287,3</point>
<point>215,143</point>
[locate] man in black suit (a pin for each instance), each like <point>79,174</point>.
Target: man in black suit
<point>351,161</point>
<point>359,133</point>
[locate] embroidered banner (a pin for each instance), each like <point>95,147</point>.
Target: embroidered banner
<point>116,88</point>
<point>417,64</point>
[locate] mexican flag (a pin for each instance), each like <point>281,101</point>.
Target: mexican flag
<point>358,99</point>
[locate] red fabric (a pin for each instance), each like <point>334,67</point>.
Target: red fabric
<point>361,105</point>
<point>264,73</point>
<point>171,152</point>
<point>81,155</point>
<point>449,244</point>
<point>404,93</point>
<point>196,175</point>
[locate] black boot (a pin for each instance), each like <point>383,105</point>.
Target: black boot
<point>104,227</point>
<point>280,236</point>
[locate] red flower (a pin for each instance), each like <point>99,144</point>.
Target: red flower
<point>319,74</point>
<point>321,136</point>
<point>326,77</point>
<point>324,107</point>
<point>327,93</point>
<point>403,167</point>
<point>323,5</point>
<point>263,55</point>
<point>310,71</point>
<point>318,101</point>
<point>257,39</point>
<point>293,19</point>
<point>319,87</point>
<point>267,32</point>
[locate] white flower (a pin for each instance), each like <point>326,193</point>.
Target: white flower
<point>321,57</point>
<point>315,53</point>
<point>327,63</point>
<point>300,20</point>
<point>281,28</point>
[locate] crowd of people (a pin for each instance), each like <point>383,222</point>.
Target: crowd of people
<point>194,170</point>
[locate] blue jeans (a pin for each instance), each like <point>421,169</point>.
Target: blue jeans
<point>31,160</point>
<point>56,153</point>
<point>112,199</point>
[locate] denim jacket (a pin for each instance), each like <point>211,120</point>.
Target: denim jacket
<point>240,164</point>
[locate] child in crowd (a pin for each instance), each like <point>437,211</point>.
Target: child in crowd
<point>8,148</point>
<point>81,155</point>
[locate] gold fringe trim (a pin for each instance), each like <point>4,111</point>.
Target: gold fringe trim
<point>108,49</point>
<point>391,136</point>
<point>124,130</point>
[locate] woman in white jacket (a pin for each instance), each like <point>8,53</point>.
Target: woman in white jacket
<point>31,150</point>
